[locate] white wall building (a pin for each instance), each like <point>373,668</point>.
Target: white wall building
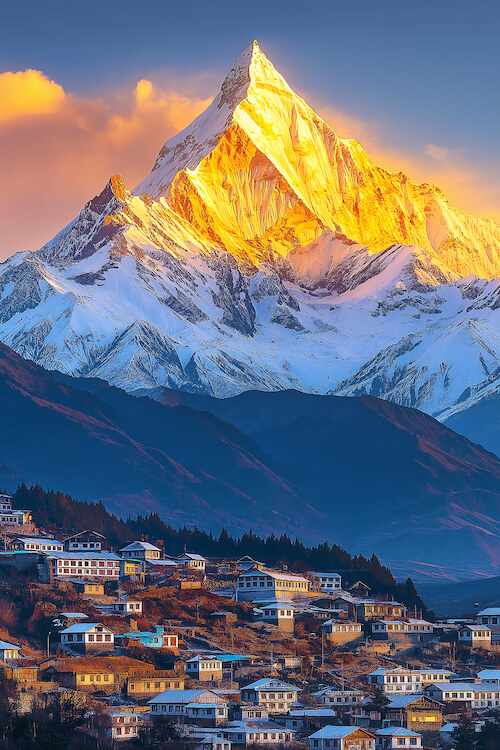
<point>397,737</point>
<point>326,582</point>
<point>475,636</point>
<point>340,738</point>
<point>126,606</point>
<point>181,704</point>
<point>472,694</point>
<point>88,636</point>
<point>269,584</point>
<point>141,551</point>
<point>336,697</point>
<point>192,561</point>
<point>256,733</point>
<point>274,695</point>
<point>36,544</point>
<point>103,565</point>
<point>397,680</point>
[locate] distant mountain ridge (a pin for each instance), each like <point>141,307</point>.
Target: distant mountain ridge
<point>365,473</point>
<point>264,252</point>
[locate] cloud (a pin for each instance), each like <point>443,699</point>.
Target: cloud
<point>441,153</point>
<point>57,150</point>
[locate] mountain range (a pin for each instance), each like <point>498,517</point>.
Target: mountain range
<point>273,462</point>
<point>264,252</point>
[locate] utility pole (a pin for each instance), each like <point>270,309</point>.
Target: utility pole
<point>322,649</point>
<point>48,642</point>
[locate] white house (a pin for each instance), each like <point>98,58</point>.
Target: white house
<point>475,636</point>
<point>490,675</point>
<point>15,517</point>
<point>204,668</point>
<point>341,631</point>
<point>397,737</point>
<point>9,650</point>
<point>433,675</point>
<point>262,583</point>
<point>124,725</point>
<point>141,551</point>
<point>36,544</point>
<point>396,680</point>
<point>179,705</point>
<point>342,738</point>
<point>326,582</point>
<point>192,561</point>
<point>337,698</point>
<point>88,636</point>
<point>475,695</point>
<point>278,613</point>
<point>5,503</point>
<point>491,618</point>
<point>256,733</point>
<point>103,565</point>
<point>274,695</point>
<point>126,606</point>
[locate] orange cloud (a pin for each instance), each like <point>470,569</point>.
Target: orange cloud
<point>58,150</point>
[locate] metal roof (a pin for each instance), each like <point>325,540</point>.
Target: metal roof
<point>81,555</point>
<point>4,646</point>
<point>83,627</point>
<point>270,684</point>
<point>330,732</point>
<point>140,545</point>
<point>396,732</point>
<point>178,696</point>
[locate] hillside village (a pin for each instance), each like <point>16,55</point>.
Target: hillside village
<point>132,647</point>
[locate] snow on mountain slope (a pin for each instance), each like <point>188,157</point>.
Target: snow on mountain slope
<point>265,252</point>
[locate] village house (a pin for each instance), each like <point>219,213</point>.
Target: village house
<point>410,630</point>
<point>192,561</point>
<point>88,637</point>
<point>269,584</point>
<point>396,680</point>
<point>372,609</point>
<point>134,570</point>
<point>278,613</point>
<point>203,706</point>
<point>246,562</point>
<point>393,738</point>
<point>416,712</point>
<point>9,650</point>
<point>204,668</point>
<point>65,619</point>
<point>490,675</point>
<point>338,698</point>
<point>158,638</point>
<point>86,587</point>
<point>256,733</point>
<point>124,725</point>
<point>103,565</point>
<point>431,674</point>
<point>145,683</point>
<point>17,518</point>
<point>491,618</point>
<point>340,632</point>
<point>476,695</point>
<point>342,738</point>
<point>207,739</point>
<point>274,695</point>
<point>141,551</point>
<point>221,617</point>
<point>107,674</point>
<point>475,636</point>
<point>85,541</point>
<point>327,583</point>
<point>126,606</point>
<point>24,672</point>
<point>245,711</point>
<point>360,590</point>
<point>309,719</point>
<point>36,544</point>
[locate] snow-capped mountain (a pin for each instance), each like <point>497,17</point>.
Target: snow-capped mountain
<point>265,252</point>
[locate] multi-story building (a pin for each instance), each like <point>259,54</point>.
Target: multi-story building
<point>254,732</point>
<point>274,695</point>
<point>409,630</point>
<point>415,712</point>
<point>335,697</point>
<point>328,583</point>
<point>491,618</point>
<point>102,565</point>
<point>141,551</point>
<point>85,541</point>
<point>123,725</point>
<point>202,706</point>
<point>373,609</point>
<point>396,680</point>
<point>475,636</point>
<point>204,668</point>
<point>278,613</point>
<point>257,583</point>
<point>476,695</point>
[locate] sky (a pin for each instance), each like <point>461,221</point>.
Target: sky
<point>92,89</point>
